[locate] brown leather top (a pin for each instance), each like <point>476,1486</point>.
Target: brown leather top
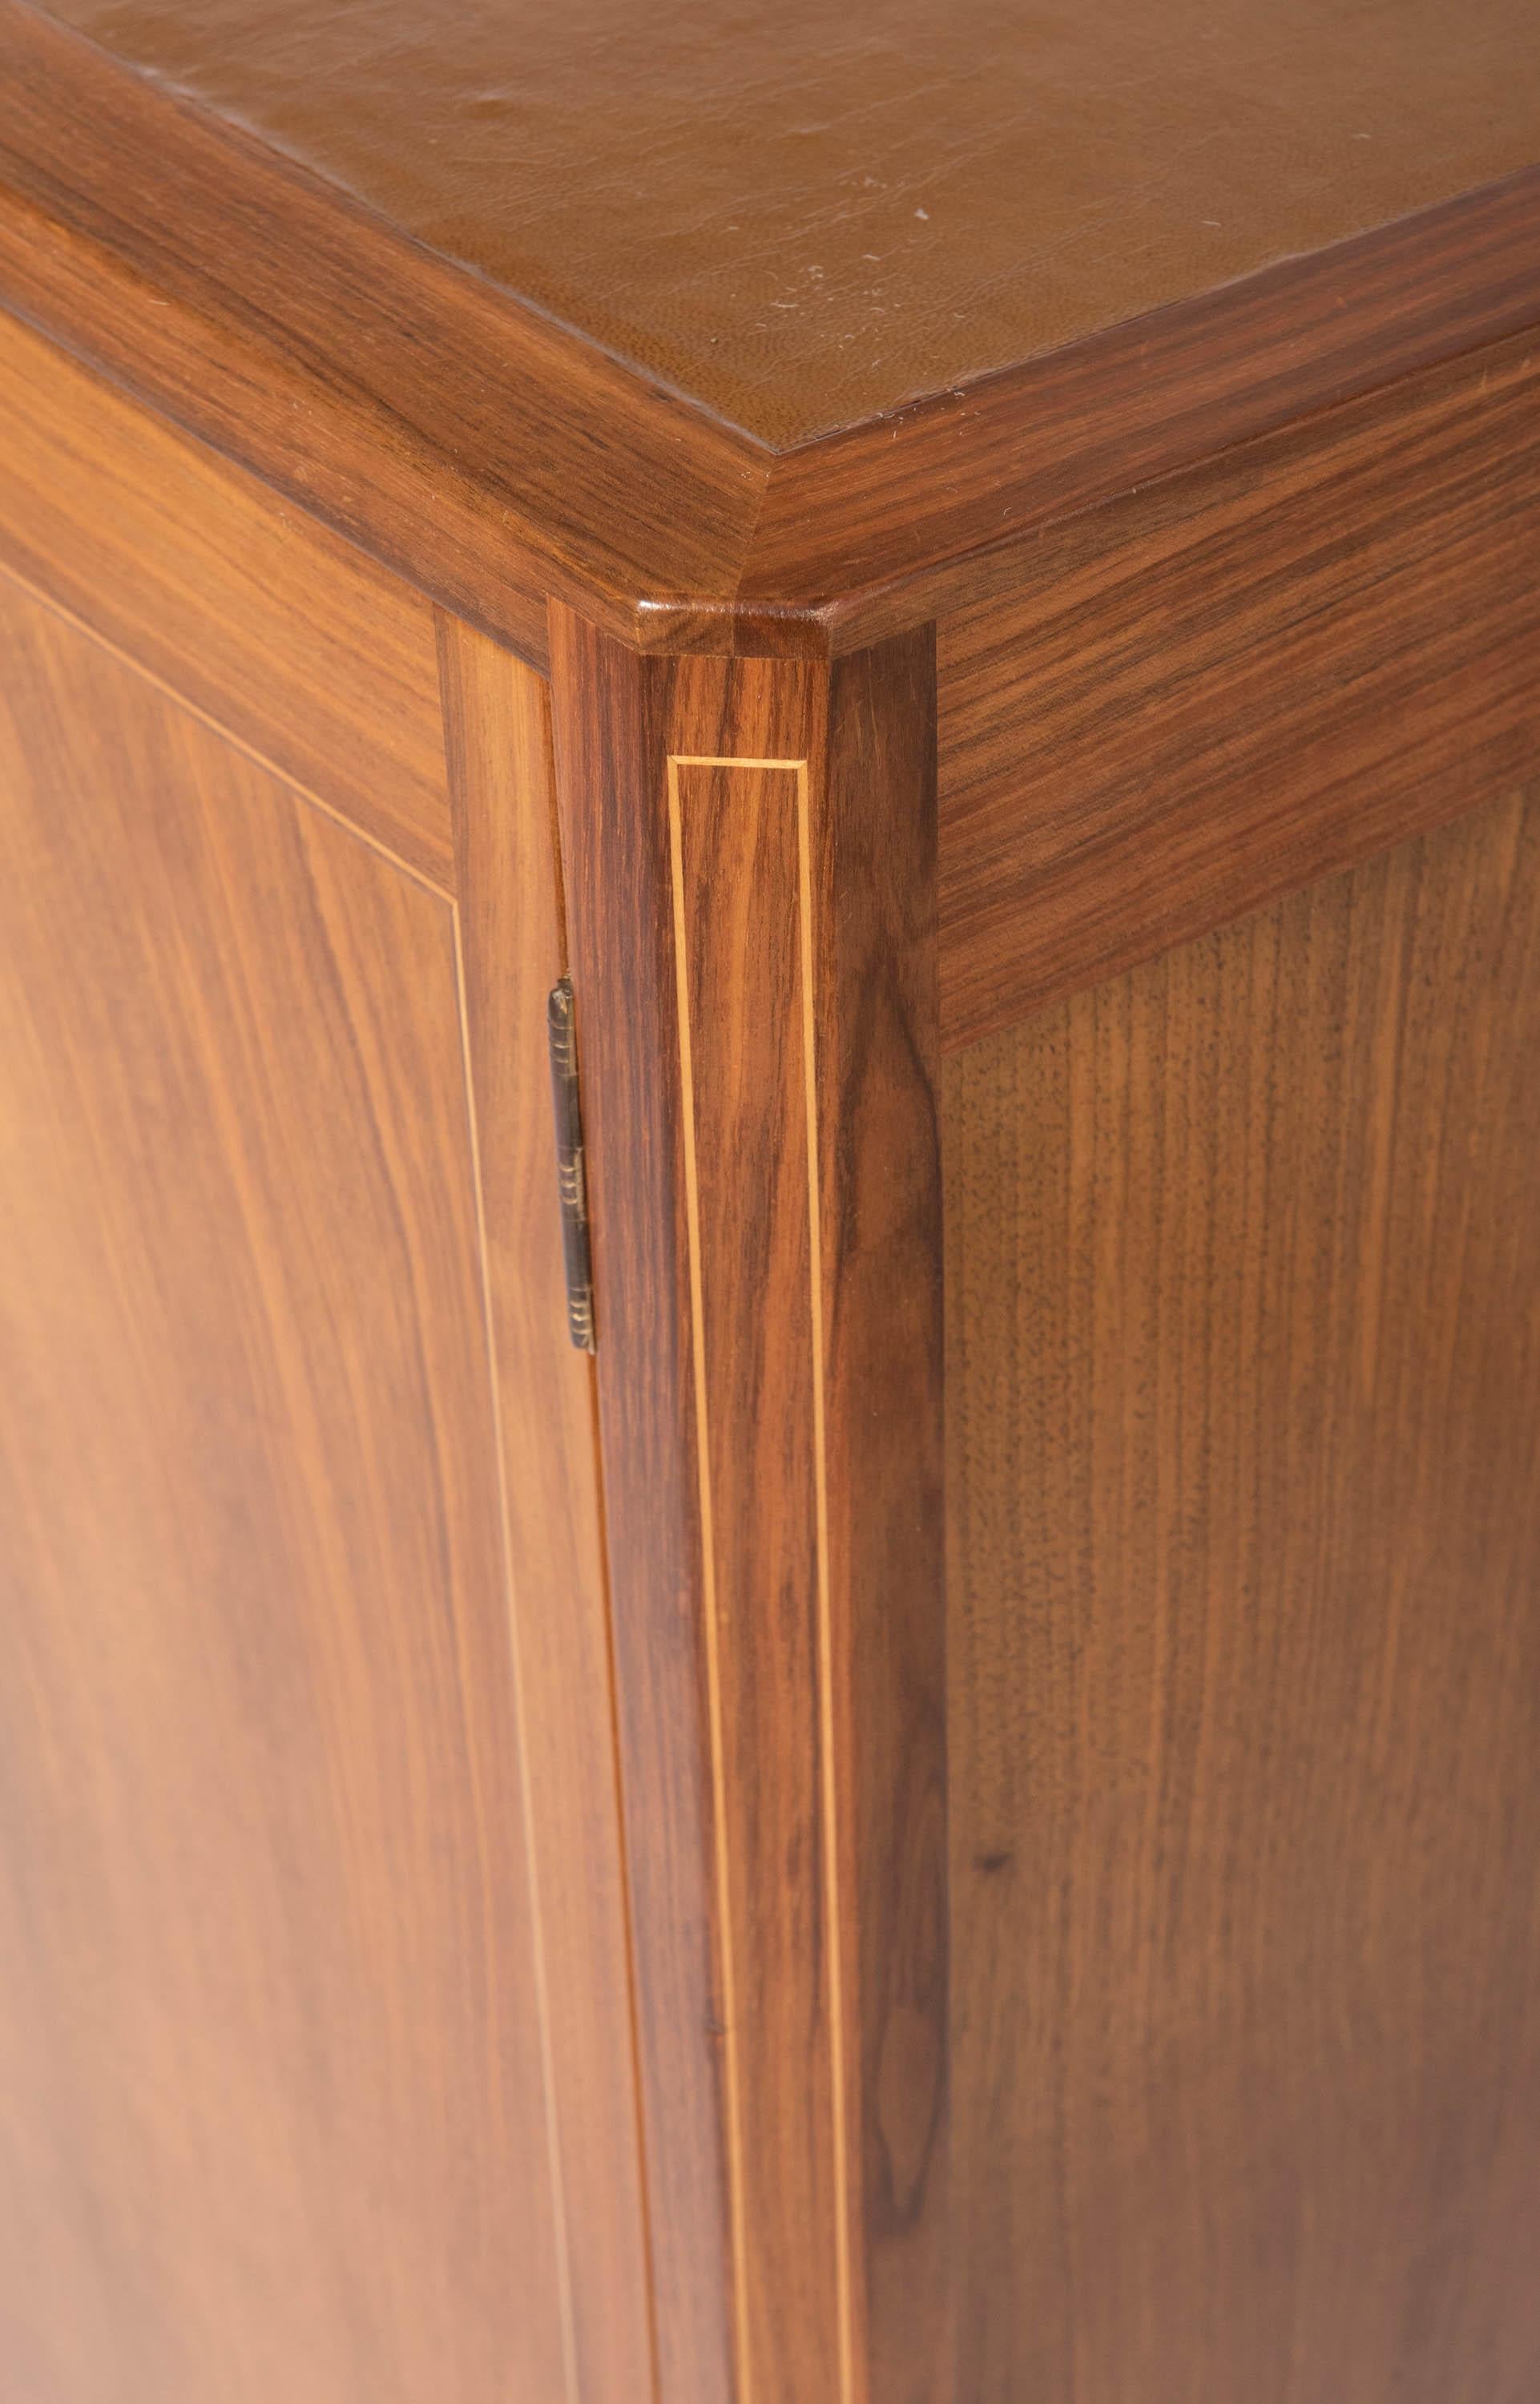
<point>805,212</point>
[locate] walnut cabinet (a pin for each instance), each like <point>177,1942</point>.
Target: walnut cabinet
<point>942,1809</point>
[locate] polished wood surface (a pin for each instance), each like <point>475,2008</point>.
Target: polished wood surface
<point>1244,1495</point>
<point>804,218</point>
<point>497,726</point>
<point>448,431</point>
<point>1237,682</point>
<point>273,2116</point>
<point>529,1876</point>
<point>496,457</point>
<point>943,505</point>
<point>290,641</point>
<point>754,942</point>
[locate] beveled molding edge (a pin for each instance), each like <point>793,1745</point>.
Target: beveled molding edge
<point>495,459</point>
<point>868,532</point>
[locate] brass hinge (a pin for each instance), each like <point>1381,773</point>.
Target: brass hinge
<point>562,1034</point>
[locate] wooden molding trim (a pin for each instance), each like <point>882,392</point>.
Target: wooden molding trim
<point>494,458</point>
<point>941,507</point>
<point>1341,653</point>
<point>1110,783</point>
<point>483,453</point>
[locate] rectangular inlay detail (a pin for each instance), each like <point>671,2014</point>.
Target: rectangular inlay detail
<point>748,937</point>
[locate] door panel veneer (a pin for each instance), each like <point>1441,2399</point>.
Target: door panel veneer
<point>497,723</point>
<point>282,634</point>
<point>274,2113</point>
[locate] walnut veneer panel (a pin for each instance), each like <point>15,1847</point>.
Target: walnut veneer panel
<point>1244,1480</point>
<point>272,2101</point>
<point>289,638</point>
<point>802,216</point>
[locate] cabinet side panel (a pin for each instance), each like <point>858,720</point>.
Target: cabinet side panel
<point>497,725</point>
<point>1244,1522</point>
<point>273,2117</point>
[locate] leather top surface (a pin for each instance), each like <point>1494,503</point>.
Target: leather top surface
<point>804,213</point>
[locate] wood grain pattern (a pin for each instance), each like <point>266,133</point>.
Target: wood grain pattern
<point>474,1820</point>
<point>478,449</point>
<point>497,726</point>
<point>289,640</point>
<point>492,457</point>
<point>805,217</point>
<point>753,953</point>
<point>610,783</point>
<point>1237,682</point>
<point>927,512</point>
<point>1244,1494</point>
<point>743,958</point>
<point>273,2105</point>
<point>880,1036</point>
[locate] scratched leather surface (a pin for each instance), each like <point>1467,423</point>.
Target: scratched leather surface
<point>804,213</point>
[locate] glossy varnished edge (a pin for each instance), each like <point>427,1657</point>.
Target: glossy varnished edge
<point>721,1862</point>
<point>674,531</point>
<point>840,2151</point>
<point>939,505</point>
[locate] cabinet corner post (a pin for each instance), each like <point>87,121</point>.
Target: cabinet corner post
<point>750,854</point>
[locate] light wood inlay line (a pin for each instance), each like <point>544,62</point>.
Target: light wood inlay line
<point>828,1773</point>
<point>708,1579</point>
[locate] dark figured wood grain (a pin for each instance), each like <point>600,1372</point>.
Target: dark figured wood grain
<point>879,1029</point>
<point>1245,1496</point>
<point>739,858</point>
<point>1237,682</point>
<point>273,2116</point>
<point>750,851</point>
<point>291,641</point>
<point>497,723</point>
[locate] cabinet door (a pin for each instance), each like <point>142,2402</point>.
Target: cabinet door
<point>273,2108</point>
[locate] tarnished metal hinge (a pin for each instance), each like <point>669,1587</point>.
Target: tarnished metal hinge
<point>561,1030</point>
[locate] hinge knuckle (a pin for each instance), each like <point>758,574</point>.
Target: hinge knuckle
<point>571,1187</point>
